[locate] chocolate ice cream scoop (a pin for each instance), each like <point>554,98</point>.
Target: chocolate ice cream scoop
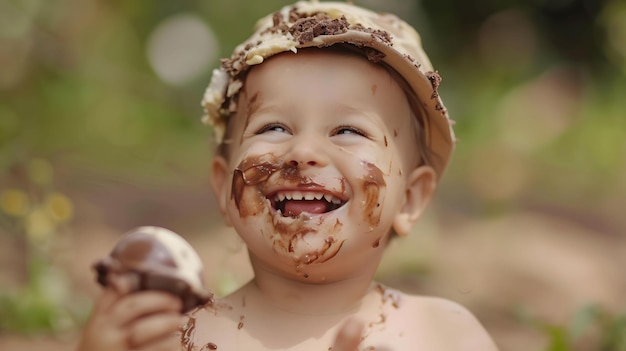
<point>154,258</point>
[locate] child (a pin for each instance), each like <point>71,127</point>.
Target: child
<point>332,138</point>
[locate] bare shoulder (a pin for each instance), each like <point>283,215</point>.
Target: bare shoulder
<point>448,324</point>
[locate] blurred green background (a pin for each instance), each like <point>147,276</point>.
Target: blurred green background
<point>100,131</point>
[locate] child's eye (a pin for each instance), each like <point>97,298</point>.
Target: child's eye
<point>273,127</point>
<point>349,130</point>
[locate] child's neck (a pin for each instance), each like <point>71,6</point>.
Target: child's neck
<point>296,297</point>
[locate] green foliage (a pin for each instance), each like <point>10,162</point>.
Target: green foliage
<point>36,215</point>
<point>591,328</point>
<point>43,305</point>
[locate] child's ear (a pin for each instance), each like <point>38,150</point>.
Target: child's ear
<point>219,180</point>
<point>420,186</point>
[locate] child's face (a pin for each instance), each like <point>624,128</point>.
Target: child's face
<point>322,164</point>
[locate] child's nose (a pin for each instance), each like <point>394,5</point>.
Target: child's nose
<point>306,154</point>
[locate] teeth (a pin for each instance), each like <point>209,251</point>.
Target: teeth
<point>332,199</point>
<point>297,195</point>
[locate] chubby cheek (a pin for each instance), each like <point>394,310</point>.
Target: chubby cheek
<point>248,176</point>
<point>373,186</point>
<point>378,176</point>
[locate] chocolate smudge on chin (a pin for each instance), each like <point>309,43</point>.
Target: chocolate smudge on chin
<point>321,255</point>
<point>333,253</point>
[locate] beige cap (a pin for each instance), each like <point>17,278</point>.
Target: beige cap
<point>320,24</point>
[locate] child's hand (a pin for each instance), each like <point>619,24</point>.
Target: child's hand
<point>139,321</point>
<point>349,336</point>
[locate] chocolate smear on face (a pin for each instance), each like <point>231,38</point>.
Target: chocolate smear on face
<point>338,225</point>
<point>334,252</point>
<point>372,183</point>
<point>249,181</point>
<point>253,171</point>
<point>322,255</point>
<point>248,200</point>
<point>258,169</point>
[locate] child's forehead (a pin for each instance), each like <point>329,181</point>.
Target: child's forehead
<point>319,71</point>
<point>336,81</point>
<point>334,59</point>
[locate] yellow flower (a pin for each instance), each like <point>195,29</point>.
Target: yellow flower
<point>40,171</point>
<point>39,227</point>
<point>59,207</point>
<point>14,202</point>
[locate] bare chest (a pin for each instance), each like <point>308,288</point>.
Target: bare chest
<point>386,329</point>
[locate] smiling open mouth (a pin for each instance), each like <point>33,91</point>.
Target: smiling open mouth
<point>293,203</point>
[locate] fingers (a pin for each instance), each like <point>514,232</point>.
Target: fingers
<point>100,335</point>
<point>106,301</point>
<point>349,336</point>
<point>118,285</point>
<point>141,304</point>
<point>154,329</point>
<point>144,320</point>
<point>154,333</point>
